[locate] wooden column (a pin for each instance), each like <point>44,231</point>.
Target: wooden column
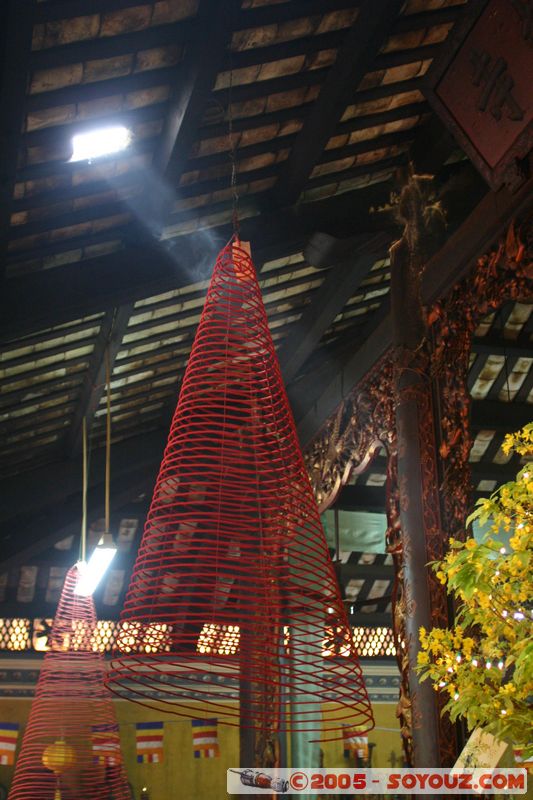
<point>417,453</point>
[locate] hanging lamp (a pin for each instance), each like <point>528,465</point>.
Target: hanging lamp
<point>71,745</point>
<point>234,610</point>
<point>92,572</point>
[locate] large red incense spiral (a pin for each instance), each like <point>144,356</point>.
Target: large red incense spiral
<point>71,745</point>
<point>233,602</point>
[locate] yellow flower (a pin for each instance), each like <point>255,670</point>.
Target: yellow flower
<point>423,658</point>
<point>471,544</point>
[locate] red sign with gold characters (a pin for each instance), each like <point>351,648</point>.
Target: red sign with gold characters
<point>481,88</point>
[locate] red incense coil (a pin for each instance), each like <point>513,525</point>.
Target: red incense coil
<point>71,745</point>
<point>233,596</point>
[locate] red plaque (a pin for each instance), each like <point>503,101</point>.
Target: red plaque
<point>481,88</point>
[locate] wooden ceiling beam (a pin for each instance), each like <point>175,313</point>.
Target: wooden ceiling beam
<point>354,60</point>
<point>426,19</point>
<point>495,415</point>
<point>367,145</point>
<point>253,17</point>
<point>240,124</point>
<point>16,27</point>
<point>320,77</point>
<point>51,297</point>
<point>79,93</point>
<point>526,388</point>
<point>220,183</point>
<point>340,284</point>
<point>54,503</point>
<point>286,140</point>
<point>384,165</point>
<point>375,572</point>
<point>240,93</point>
<point>36,301</point>
<point>71,218</point>
<point>491,216</point>
<point>177,33</point>
<point>362,121</point>
<point>68,9</point>
<point>53,484</point>
<point>310,45</point>
<point>193,86</point>
<point>279,13</point>
<point>106,347</point>
<point>19,544</point>
<point>304,46</point>
<point>432,147</point>
<point>497,345</point>
<point>123,233</point>
<point>489,471</point>
<point>49,198</point>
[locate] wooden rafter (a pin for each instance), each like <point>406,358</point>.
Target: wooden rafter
<point>196,78</point>
<point>354,59</point>
<point>107,345</point>
<point>16,26</point>
<point>341,283</point>
<point>492,214</point>
<point>33,302</point>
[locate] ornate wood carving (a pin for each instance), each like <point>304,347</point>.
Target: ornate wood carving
<point>505,273</point>
<point>346,446</point>
<point>366,421</point>
<point>349,441</point>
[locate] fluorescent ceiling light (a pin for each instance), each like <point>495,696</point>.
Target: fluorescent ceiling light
<point>90,574</point>
<point>100,142</point>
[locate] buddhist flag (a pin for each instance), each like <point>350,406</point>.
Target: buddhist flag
<point>205,738</point>
<point>9,732</point>
<point>149,742</point>
<point>106,745</point>
<point>354,743</point>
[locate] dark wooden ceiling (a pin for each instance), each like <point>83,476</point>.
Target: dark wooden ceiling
<point>325,100</point>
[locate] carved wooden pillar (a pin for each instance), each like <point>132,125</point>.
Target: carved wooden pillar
<point>399,607</point>
<point>418,481</point>
<point>366,421</point>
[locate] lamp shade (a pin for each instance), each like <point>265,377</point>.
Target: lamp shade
<point>71,745</point>
<point>234,610</point>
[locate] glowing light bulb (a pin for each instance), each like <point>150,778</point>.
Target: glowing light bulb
<point>474,662</point>
<point>91,573</point>
<point>488,665</point>
<point>101,142</point>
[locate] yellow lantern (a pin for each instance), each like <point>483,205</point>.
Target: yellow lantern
<point>59,757</point>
